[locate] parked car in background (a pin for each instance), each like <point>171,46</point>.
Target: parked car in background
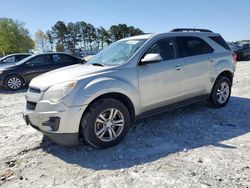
<point>14,75</point>
<point>13,58</point>
<point>131,78</point>
<point>243,53</point>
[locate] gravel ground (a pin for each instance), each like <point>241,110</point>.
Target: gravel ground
<point>195,146</point>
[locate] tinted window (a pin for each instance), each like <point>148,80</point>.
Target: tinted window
<point>20,57</point>
<point>40,60</point>
<point>164,47</point>
<point>219,40</point>
<point>190,46</point>
<point>61,58</point>
<point>9,59</point>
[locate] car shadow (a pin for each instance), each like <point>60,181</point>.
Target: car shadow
<point>6,91</point>
<point>155,137</point>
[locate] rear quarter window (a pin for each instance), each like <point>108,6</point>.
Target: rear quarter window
<point>219,40</point>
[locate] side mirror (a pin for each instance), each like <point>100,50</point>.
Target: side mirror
<point>29,64</point>
<point>151,58</point>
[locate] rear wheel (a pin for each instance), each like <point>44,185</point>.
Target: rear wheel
<point>105,123</point>
<point>14,82</point>
<point>221,92</point>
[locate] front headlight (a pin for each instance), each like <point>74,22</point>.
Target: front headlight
<point>59,91</point>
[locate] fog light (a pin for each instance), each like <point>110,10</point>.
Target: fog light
<point>53,122</point>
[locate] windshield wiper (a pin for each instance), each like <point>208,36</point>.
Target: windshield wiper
<point>98,64</point>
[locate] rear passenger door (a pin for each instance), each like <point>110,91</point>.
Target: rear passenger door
<point>196,53</point>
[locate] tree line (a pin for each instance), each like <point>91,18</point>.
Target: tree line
<point>81,35</point>
<point>15,38</point>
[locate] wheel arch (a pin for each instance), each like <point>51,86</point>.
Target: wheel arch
<point>113,95</point>
<point>227,74</point>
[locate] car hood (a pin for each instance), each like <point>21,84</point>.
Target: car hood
<point>75,72</point>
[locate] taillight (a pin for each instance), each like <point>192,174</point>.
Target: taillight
<point>234,57</point>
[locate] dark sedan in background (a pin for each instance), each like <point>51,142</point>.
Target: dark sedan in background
<point>14,75</point>
<point>13,58</point>
<point>243,53</point>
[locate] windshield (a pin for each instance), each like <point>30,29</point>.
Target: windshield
<point>117,53</point>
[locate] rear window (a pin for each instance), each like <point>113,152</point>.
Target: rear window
<point>219,40</point>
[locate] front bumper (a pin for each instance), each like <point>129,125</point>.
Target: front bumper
<point>57,121</point>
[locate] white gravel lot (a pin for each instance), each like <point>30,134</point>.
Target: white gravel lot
<point>195,146</point>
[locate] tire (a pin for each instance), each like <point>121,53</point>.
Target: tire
<point>102,130</point>
<point>14,82</point>
<point>221,92</point>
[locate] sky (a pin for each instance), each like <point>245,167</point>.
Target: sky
<point>230,18</point>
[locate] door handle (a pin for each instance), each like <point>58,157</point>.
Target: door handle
<point>179,67</point>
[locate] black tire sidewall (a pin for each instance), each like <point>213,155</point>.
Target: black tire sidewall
<point>90,117</point>
<point>13,76</point>
<point>214,99</point>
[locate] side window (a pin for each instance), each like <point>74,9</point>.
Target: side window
<point>61,58</point>
<point>20,57</point>
<point>40,60</point>
<point>190,46</point>
<point>9,59</point>
<point>164,47</point>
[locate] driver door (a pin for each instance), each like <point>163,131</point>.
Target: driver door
<point>161,83</point>
<point>36,66</point>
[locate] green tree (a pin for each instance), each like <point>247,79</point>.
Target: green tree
<point>83,33</point>
<point>14,37</point>
<point>51,39</point>
<point>60,32</point>
<point>120,31</point>
<point>73,30</point>
<point>59,47</point>
<point>103,36</point>
<point>91,35</point>
<point>41,41</point>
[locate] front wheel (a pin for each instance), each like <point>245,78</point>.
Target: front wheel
<point>105,123</point>
<point>221,92</point>
<point>13,82</point>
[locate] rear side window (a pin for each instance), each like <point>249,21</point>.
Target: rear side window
<point>219,40</point>
<point>40,60</point>
<point>20,57</point>
<point>61,58</point>
<point>164,47</point>
<point>190,46</point>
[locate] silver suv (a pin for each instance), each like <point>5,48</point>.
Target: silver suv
<point>129,79</point>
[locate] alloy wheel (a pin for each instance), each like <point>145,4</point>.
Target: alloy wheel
<point>223,92</point>
<point>109,125</point>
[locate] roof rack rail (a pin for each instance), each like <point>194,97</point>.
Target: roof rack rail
<point>191,30</point>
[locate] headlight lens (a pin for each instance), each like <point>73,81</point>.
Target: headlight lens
<point>59,91</point>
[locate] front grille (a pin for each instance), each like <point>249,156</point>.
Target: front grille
<point>34,90</point>
<point>31,105</point>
